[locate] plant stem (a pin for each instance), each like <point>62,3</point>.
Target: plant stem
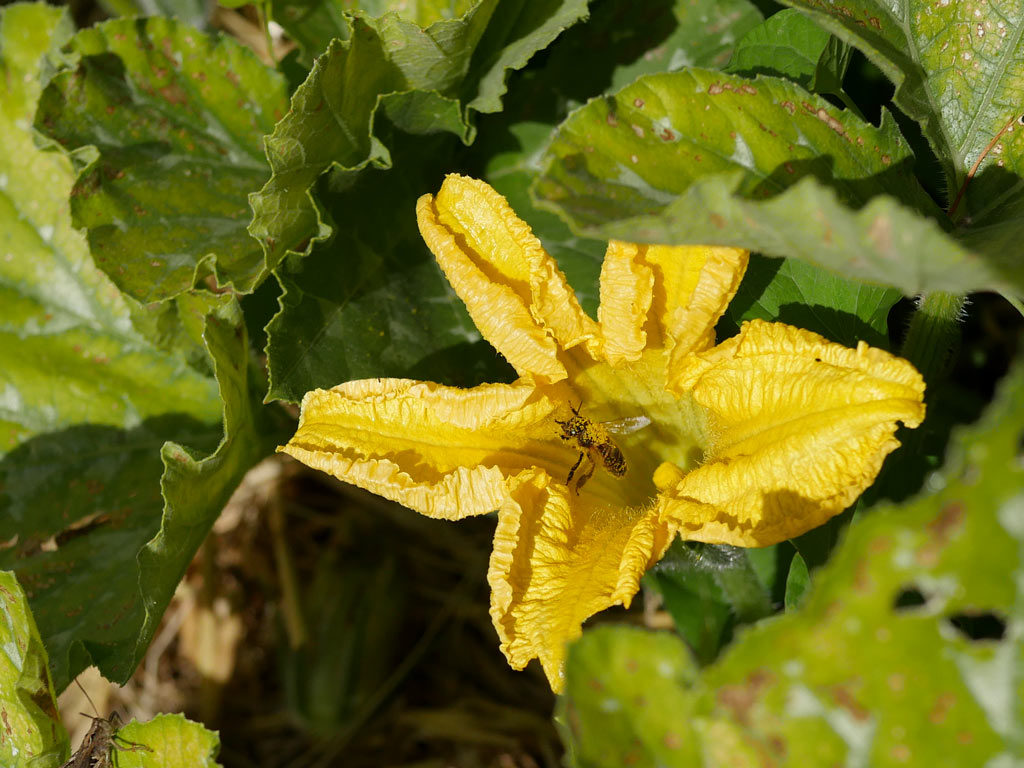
<point>263,13</point>
<point>934,334</point>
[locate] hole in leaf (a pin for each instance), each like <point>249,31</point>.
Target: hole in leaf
<point>907,598</point>
<point>979,626</point>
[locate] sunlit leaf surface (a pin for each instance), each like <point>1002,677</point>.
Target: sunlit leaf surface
<point>93,385</point>
<point>171,741</point>
<point>697,156</point>
<point>33,734</point>
<point>390,71</point>
<point>177,119</point>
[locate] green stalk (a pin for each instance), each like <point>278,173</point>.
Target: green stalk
<point>934,334</point>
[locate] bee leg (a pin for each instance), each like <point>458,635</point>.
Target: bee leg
<point>574,468</point>
<point>584,476</point>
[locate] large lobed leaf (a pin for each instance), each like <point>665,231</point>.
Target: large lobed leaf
<point>423,80</point>
<point>33,734</point>
<point>93,386</point>
<point>907,650</point>
<point>372,301</point>
<point>959,71</point>
<point>173,120</point>
<point>698,156</point>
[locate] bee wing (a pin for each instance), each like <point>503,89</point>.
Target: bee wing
<point>627,425</point>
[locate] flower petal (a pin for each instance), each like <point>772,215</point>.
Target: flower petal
<point>558,559</point>
<point>799,428</point>
<point>513,289</point>
<point>442,451</point>
<point>664,296</point>
<point>627,285</point>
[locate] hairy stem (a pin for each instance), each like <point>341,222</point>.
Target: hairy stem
<point>934,334</point>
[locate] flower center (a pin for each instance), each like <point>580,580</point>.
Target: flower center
<point>625,425</point>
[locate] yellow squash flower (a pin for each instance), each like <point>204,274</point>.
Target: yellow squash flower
<point>750,442</point>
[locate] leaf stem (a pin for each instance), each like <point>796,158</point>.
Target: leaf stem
<point>934,334</point>
<point>263,13</point>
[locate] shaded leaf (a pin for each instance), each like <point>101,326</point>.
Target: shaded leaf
<point>706,589</point>
<point>33,734</point>
<point>698,156</point>
<point>195,486</point>
<point>798,293</point>
<point>195,13</point>
<point>172,741</point>
<point>174,122</point>
<point>427,80</point>
<point>797,583</point>
<point>907,651</point>
<point>786,44</point>
<point>372,301</point>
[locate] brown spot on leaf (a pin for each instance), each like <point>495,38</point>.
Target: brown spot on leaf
<point>822,114</point>
<point>880,233</point>
<point>740,699</point>
<point>900,753</point>
<point>174,94</point>
<point>941,709</point>
<point>638,103</point>
<point>845,699</point>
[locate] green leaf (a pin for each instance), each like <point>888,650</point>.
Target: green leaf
<point>697,156</point>
<point>195,487</point>
<point>907,652</point>
<point>426,80</point>
<point>628,702</point>
<point>795,292</point>
<point>195,13</point>
<point>92,386</point>
<point>170,125</point>
<point>117,548</point>
<point>373,302</point>
<point>72,352</point>
<point>313,24</point>
<point>786,44</point>
<point>619,42</point>
<point>707,589</point>
<point>797,583</point>
<point>958,68</point>
<point>33,734</point>
<point>172,742</point>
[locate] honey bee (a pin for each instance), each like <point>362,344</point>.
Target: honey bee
<point>594,440</point>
